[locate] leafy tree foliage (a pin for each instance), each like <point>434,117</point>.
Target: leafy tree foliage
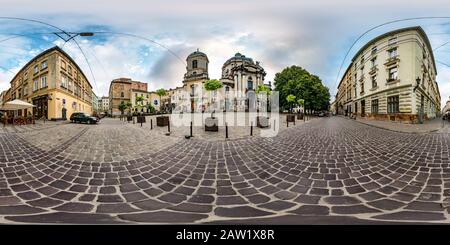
<point>297,81</point>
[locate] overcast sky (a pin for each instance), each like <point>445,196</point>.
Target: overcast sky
<point>312,34</point>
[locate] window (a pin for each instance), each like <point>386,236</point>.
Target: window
<point>392,41</point>
<point>374,82</point>
<point>35,85</point>
<point>362,87</point>
<point>375,106</point>
<point>63,64</point>
<point>43,82</point>
<point>25,90</point>
<point>393,104</point>
<point>374,50</point>
<point>69,84</point>
<point>63,81</point>
<point>393,72</point>
<point>122,94</point>
<point>249,84</point>
<point>70,70</point>
<point>44,64</point>
<point>194,64</point>
<point>373,62</point>
<point>36,69</point>
<point>392,53</point>
<point>362,60</point>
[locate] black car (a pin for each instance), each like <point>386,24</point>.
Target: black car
<point>82,117</point>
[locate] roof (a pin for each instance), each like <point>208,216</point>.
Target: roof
<point>239,56</point>
<point>55,48</point>
<point>197,53</point>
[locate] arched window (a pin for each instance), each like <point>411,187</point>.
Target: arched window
<point>194,64</point>
<point>249,83</point>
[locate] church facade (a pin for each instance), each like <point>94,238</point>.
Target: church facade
<point>240,75</point>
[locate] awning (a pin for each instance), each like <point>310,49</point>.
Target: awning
<point>16,105</point>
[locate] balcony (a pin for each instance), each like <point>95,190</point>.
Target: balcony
<point>373,70</point>
<point>392,61</point>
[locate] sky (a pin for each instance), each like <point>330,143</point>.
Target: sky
<point>315,35</point>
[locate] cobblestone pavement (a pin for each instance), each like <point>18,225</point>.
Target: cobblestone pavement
<point>328,170</point>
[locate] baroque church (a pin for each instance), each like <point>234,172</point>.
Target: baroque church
<point>240,74</point>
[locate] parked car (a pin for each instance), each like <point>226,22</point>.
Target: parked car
<point>82,117</point>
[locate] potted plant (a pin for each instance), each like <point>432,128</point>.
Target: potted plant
<point>212,123</point>
<point>161,120</point>
<point>291,100</point>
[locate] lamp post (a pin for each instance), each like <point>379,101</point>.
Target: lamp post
<point>421,101</point>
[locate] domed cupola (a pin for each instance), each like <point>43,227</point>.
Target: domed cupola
<point>197,66</point>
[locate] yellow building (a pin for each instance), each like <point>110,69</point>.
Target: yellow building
<point>55,84</point>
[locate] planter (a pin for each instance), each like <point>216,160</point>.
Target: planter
<point>262,122</point>
<point>141,119</point>
<point>300,116</point>
<point>129,118</point>
<point>290,118</point>
<point>212,124</point>
<point>162,121</point>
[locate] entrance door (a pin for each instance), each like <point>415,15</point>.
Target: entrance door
<point>363,108</point>
<point>41,108</point>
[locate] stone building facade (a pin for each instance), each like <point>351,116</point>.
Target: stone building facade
<point>55,84</point>
<point>121,89</point>
<point>392,77</point>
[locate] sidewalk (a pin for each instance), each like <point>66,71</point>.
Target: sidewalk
<point>427,127</point>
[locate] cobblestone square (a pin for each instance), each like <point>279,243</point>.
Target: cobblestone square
<point>327,170</point>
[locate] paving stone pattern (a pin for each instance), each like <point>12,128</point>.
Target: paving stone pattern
<point>327,170</point>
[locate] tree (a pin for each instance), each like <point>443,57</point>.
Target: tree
<point>150,108</point>
<point>301,102</point>
<point>264,90</point>
<point>297,81</point>
<point>160,92</point>
<point>139,102</point>
<point>291,100</point>
<point>212,85</point>
<point>122,107</point>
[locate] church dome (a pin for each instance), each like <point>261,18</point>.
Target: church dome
<point>197,53</point>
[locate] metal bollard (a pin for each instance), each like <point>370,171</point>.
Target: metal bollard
<point>226,130</point>
<point>191,130</point>
<point>151,124</point>
<point>168,126</point>
<point>251,129</point>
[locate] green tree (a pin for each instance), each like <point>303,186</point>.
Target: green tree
<point>263,89</point>
<point>139,102</point>
<point>150,108</point>
<point>297,81</point>
<point>212,85</point>
<point>291,100</point>
<point>122,107</point>
<point>160,92</point>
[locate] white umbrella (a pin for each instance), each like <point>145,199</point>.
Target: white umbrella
<point>16,105</point>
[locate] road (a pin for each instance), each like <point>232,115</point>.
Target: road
<point>327,171</point>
